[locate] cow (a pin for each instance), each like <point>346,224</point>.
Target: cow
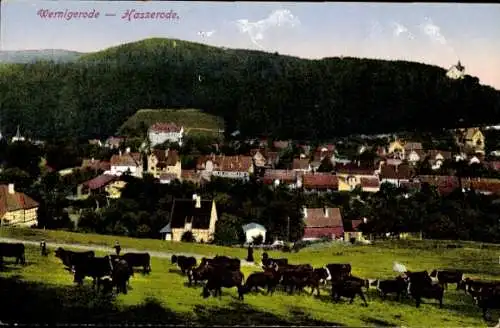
<point>295,276</point>
<point>94,267</point>
<point>471,286</point>
<point>71,258</point>
<point>398,286</point>
<point>15,250</point>
<point>219,277</point>
<point>362,282</point>
<point>207,265</point>
<point>185,263</point>
<point>269,278</point>
<point>120,275</point>
<point>420,286</point>
<point>445,277</point>
<point>488,298</point>
<point>315,278</point>
<point>347,288</point>
<point>338,271</point>
<point>138,260</point>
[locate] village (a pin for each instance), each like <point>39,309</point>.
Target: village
<point>297,167</point>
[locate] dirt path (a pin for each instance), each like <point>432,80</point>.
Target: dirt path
<point>109,249</point>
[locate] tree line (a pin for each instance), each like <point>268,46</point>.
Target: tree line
<point>255,92</point>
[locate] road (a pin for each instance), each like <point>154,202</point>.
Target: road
<point>109,249</point>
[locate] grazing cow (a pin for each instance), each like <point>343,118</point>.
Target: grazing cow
<point>445,277</point>
<point>315,278</point>
<point>120,275</point>
<point>267,263</point>
<point>185,263</point>
<point>420,286</point>
<point>138,260</point>
<point>398,286</point>
<point>202,272</point>
<point>475,285</point>
<point>15,250</point>
<point>338,271</point>
<point>71,258</point>
<point>362,282</point>
<point>269,278</point>
<point>488,298</point>
<point>221,277</point>
<point>94,267</point>
<point>347,288</point>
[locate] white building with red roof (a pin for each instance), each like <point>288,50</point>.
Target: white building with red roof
<point>162,132</point>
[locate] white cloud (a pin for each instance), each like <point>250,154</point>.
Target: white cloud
<point>433,31</point>
<point>280,18</point>
<point>399,30</point>
<point>206,34</point>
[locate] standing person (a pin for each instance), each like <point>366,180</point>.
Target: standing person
<point>117,248</point>
<point>43,248</point>
<point>250,254</point>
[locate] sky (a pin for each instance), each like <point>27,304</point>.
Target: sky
<point>438,34</point>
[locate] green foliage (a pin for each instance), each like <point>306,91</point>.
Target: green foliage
<point>255,92</point>
<point>228,230</point>
<point>258,240</point>
<point>188,237</point>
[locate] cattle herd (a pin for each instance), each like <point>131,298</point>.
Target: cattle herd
<point>224,272</point>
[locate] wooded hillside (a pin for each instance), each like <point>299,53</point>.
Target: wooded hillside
<point>258,93</point>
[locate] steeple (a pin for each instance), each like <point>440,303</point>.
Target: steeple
<point>18,136</point>
<point>460,67</point>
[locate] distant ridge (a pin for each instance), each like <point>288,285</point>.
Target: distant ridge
<point>29,56</point>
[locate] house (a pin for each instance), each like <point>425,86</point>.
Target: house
<point>96,165</point>
<point>191,176</point>
<point>259,160</point>
<point>126,162</point>
<point>354,231</point>
<point>322,222</point>
<point>159,133</point>
<point>195,215</point>
<point>301,165</point>
<point>16,208</point>
<point>443,183</point>
<point>437,158</point>
<point>318,182</point>
<point>161,162</point>
<point>252,230</point>
<point>114,142</point>
<point>456,72</point>
<point>396,149</point>
<point>103,183</point>
<point>96,142</point>
<point>232,167</point>
<point>395,174</point>
<point>280,177</point>
<point>349,175</point>
<point>471,140</point>
<point>370,184</point>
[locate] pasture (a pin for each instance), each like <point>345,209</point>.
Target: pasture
<point>195,122</point>
<point>163,295</point>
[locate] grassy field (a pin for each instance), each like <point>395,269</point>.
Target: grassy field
<point>164,293</point>
<point>194,121</point>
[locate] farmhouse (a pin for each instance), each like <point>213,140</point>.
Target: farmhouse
<point>164,162</point>
<point>195,215</point>
<point>96,164</point>
<point>318,182</point>
<point>16,208</point>
<point>395,174</point>
<point>252,230</point>
<point>233,167</point>
<point>126,163</point>
<point>162,132</point>
<point>322,222</point>
<point>107,183</point>
<point>351,175</point>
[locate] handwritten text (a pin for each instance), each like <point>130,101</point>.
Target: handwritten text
<point>67,14</point>
<point>132,14</point>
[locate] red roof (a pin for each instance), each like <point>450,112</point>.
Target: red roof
<point>396,172</point>
<point>287,176</point>
<point>355,169</point>
<point>445,184</point>
<point>100,181</point>
<point>300,164</point>
<point>370,182</point>
<point>165,127</point>
<point>13,202</point>
<point>320,181</point>
<point>323,217</point>
<point>355,224</point>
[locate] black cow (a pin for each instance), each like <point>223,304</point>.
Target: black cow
<point>71,258</point>
<point>138,260</point>
<point>15,250</point>
<point>420,286</point>
<point>269,278</point>
<point>362,282</point>
<point>94,267</point>
<point>185,263</point>
<point>474,286</point>
<point>347,288</point>
<point>219,277</point>
<point>315,278</point>
<point>398,286</point>
<point>488,298</point>
<point>268,262</point>
<point>121,275</point>
<point>445,277</point>
<point>295,276</point>
<point>338,271</point>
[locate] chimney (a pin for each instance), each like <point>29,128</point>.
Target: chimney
<point>127,150</point>
<point>325,210</point>
<point>198,202</point>
<point>11,189</point>
<point>304,210</point>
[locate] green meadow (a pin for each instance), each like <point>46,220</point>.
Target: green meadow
<point>43,291</point>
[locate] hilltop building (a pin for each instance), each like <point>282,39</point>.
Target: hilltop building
<point>456,72</point>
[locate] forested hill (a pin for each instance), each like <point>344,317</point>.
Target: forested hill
<point>258,93</point>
